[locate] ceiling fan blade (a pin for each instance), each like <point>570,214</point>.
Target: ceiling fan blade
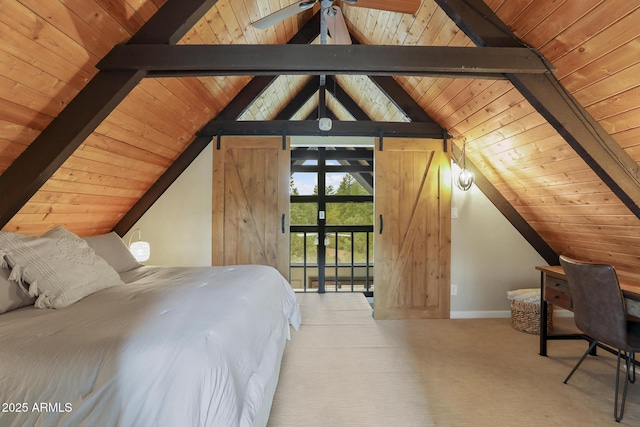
<point>337,26</point>
<point>284,13</point>
<point>402,6</point>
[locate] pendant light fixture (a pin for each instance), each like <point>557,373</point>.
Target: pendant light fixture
<point>141,250</point>
<point>464,179</point>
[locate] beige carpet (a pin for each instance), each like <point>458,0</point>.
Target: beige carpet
<point>343,369</point>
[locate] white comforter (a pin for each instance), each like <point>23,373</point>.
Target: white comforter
<point>175,347</point>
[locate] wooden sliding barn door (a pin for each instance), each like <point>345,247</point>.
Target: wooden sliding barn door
<point>412,250</point>
<point>250,212</point>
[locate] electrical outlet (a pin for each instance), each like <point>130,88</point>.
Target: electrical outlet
<point>454,289</point>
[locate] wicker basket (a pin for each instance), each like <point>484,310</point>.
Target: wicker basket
<point>525,311</point>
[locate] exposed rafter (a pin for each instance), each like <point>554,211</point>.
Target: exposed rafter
<point>547,95</point>
<point>396,93</point>
<point>248,95</point>
<point>300,99</point>
<point>311,88</point>
<point>414,112</point>
<point>86,111</point>
<point>347,102</point>
<point>157,30</point>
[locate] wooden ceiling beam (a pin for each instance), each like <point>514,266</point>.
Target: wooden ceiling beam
<point>345,100</point>
<point>172,22</point>
<point>495,35</point>
<point>396,94</point>
<point>244,99</point>
<point>300,99</point>
<point>310,127</point>
<point>39,161</point>
<point>399,96</point>
<point>42,158</point>
<point>310,89</point>
<point>257,85</point>
<point>209,60</point>
<point>234,109</point>
<point>545,93</point>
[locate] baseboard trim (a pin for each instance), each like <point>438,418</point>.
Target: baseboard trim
<point>499,314</point>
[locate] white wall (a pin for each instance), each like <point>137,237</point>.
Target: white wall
<point>178,225</point>
<point>489,256</point>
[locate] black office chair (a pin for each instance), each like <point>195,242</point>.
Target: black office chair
<point>601,314</point>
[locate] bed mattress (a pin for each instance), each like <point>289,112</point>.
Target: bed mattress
<point>171,347</point>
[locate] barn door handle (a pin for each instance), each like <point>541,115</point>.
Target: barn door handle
<point>282,224</point>
<point>381,224</point>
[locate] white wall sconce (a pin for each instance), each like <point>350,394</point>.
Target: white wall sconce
<point>141,250</point>
<point>465,178</point>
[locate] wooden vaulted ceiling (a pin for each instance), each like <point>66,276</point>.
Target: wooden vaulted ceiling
<point>89,142</point>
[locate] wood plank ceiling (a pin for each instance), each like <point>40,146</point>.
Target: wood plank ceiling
<point>49,51</point>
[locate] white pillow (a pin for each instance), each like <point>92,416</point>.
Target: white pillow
<point>59,266</point>
<point>113,250</point>
<point>12,296</point>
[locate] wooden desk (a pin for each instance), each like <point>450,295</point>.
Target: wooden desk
<point>554,289</point>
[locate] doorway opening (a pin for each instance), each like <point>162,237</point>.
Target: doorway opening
<point>331,219</point>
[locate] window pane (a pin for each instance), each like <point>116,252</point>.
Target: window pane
<point>350,213</point>
<point>303,213</point>
<point>343,184</point>
<point>304,184</point>
<point>333,181</point>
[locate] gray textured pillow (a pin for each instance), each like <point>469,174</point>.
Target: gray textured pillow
<point>11,294</point>
<point>59,266</point>
<point>113,250</point>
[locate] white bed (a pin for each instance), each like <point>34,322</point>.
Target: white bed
<point>169,346</point>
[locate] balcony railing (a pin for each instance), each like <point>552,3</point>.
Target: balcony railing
<point>348,259</point>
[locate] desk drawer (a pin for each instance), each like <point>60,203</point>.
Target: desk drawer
<point>557,292</point>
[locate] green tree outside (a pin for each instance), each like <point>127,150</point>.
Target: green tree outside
<point>348,213</point>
